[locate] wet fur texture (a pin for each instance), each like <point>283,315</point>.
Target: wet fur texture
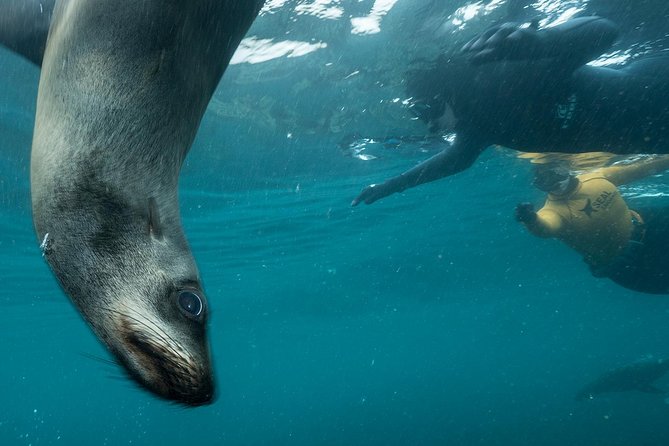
<point>123,88</point>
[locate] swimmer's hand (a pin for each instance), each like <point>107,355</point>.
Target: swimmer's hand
<point>508,41</point>
<point>375,192</point>
<point>525,213</point>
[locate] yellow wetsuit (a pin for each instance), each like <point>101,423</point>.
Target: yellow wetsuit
<point>594,219</point>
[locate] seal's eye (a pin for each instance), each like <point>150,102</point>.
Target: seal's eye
<point>190,304</point>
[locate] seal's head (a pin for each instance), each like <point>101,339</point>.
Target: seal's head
<point>124,262</point>
<point>584,394</point>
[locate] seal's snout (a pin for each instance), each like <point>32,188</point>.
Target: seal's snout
<point>166,368</point>
<point>201,396</point>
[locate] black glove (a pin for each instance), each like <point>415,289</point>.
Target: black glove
<point>525,213</point>
<point>507,41</point>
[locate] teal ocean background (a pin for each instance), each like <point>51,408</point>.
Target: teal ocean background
<point>428,318</point>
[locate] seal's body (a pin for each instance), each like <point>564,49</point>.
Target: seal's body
<point>123,88</point>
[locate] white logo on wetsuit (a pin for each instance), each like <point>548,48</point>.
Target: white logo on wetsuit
<point>565,112</point>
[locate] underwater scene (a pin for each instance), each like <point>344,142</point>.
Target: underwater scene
<point>516,295</point>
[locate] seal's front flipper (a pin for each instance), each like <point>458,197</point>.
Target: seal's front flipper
<point>24,26</point>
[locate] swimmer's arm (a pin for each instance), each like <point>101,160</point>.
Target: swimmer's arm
<point>570,44</point>
<point>451,160</point>
<point>633,172</point>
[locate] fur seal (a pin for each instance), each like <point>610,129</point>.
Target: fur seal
<point>123,87</point>
<point>639,376</point>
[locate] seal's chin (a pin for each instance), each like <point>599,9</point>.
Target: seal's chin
<point>163,366</point>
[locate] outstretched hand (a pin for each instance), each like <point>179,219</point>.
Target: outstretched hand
<point>507,41</point>
<point>525,213</point>
<point>372,193</point>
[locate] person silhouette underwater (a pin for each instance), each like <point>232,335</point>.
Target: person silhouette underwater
<point>588,213</point>
<point>531,89</point>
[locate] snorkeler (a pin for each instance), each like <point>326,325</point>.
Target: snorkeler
<point>530,89</point>
<point>587,212</point>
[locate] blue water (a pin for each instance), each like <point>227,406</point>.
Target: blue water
<point>428,318</point>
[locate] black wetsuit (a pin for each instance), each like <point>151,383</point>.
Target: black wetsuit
<point>590,109</point>
<point>644,264</point>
